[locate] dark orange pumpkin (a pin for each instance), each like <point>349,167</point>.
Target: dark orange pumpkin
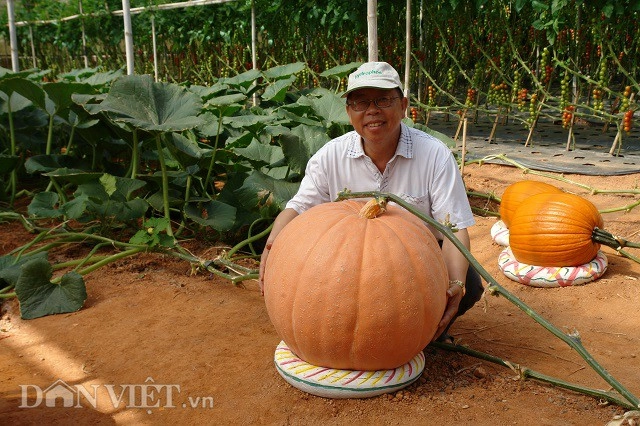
<point>555,229</point>
<point>519,191</point>
<point>349,292</point>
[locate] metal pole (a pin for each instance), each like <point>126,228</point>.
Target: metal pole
<point>407,54</point>
<point>15,64</point>
<point>372,27</point>
<point>128,35</point>
<point>33,47</point>
<point>254,61</point>
<point>84,38</point>
<point>420,43</point>
<point>155,49</point>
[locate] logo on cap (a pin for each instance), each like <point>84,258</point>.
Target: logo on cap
<point>364,73</point>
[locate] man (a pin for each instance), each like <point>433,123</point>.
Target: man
<point>383,154</point>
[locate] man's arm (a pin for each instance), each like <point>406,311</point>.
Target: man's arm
<point>457,266</point>
<point>285,216</point>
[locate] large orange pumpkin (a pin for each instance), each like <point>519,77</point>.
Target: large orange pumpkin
<point>555,229</point>
<point>349,292</point>
<point>519,191</point>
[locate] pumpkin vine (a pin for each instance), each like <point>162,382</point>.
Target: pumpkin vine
<point>615,242</point>
<point>495,288</point>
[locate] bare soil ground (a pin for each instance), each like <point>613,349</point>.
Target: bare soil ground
<point>207,346</point>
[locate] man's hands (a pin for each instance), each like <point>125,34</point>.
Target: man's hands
<point>457,266</point>
<point>454,296</point>
<point>285,216</point>
<point>263,263</point>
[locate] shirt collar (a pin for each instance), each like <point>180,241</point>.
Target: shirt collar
<point>404,148</point>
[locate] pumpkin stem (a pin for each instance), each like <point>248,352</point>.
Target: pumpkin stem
<point>494,286</point>
<point>374,208</point>
<point>617,243</point>
<point>608,239</point>
<point>525,373</point>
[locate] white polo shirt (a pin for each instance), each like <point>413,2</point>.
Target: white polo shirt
<point>422,172</point>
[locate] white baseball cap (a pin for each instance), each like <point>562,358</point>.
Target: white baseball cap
<point>377,75</point>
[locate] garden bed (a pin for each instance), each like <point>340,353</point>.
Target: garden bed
<point>148,321</point>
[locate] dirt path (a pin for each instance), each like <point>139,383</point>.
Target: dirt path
<point>208,346</point>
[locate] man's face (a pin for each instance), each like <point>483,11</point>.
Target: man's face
<point>376,124</point>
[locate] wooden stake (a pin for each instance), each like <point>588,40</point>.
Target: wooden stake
<point>617,141</point>
<point>495,125</point>
<point>464,145</point>
<point>505,117</point>
<point>476,109</point>
<point>571,137</point>
<point>533,125</point>
<point>530,135</point>
<point>462,118</point>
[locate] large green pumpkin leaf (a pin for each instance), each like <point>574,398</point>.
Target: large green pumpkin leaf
<point>109,186</point>
<point>43,205</point>
<point>257,151</point>
<point>39,297</point>
<point>77,75</point>
<point>243,80</point>
<point>232,100</point>
<point>282,71</point>
<point>242,140</point>
<point>75,208</point>
<point>8,163</point>
<point>295,151</point>
<point>92,77</point>
<point>151,106</point>
<point>73,176</point>
<point>330,107</point>
<point>206,92</point>
<point>246,120</point>
<point>16,103</point>
<point>277,90</point>
<point>186,151</point>
<point>59,95</point>
<point>26,88</point>
<point>301,107</point>
<point>102,79</point>
<point>295,118</point>
<point>260,190</point>
<point>300,144</point>
<point>110,196</point>
<point>211,127</point>
<point>219,216</point>
<point>10,267</point>
<point>7,73</point>
<point>340,71</point>
<point>156,200</point>
<point>49,163</point>
<point>121,211</point>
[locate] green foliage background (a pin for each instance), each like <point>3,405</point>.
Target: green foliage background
<point>201,43</point>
